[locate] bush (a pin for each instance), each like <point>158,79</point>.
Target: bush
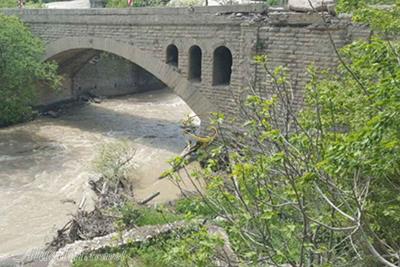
<point>8,4</point>
<point>136,3</point>
<point>29,4</point>
<point>185,249</point>
<point>114,161</point>
<point>134,215</point>
<point>21,70</point>
<point>317,187</point>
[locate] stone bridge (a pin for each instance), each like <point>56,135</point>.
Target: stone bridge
<point>204,54</point>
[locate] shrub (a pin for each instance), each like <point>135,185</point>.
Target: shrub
<point>21,70</point>
<point>134,215</point>
<point>317,187</point>
<point>28,4</point>
<point>114,161</point>
<point>136,3</point>
<point>8,4</point>
<point>185,249</point>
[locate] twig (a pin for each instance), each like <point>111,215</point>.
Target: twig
<point>149,198</point>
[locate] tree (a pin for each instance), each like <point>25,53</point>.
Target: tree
<point>14,4</point>
<point>319,187</point>
<point>8,3</point>
<point>21,70</point>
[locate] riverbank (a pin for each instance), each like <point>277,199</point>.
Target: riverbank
<point>45,164</point>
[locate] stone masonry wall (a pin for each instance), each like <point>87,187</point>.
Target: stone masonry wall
<point>296,48</point>
<point>109,75</point>
<point>292,39</point>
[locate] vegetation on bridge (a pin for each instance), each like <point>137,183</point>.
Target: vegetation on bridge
<point>21,70</point>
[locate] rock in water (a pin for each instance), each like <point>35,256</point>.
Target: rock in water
<point>53,114</point>
<point>96,100</point>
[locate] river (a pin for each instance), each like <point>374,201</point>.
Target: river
<point>45,164</point>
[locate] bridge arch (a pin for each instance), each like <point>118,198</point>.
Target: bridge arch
<point>164,72</point>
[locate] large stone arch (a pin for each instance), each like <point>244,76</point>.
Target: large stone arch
<point>165,73</point>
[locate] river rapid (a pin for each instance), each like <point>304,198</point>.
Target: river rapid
<point>45,164</point>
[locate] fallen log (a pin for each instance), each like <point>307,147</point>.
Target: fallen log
<point>149,198</point>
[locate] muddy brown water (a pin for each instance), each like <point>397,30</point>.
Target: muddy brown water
<point>45,164</point>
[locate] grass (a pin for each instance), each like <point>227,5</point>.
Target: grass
<point>159,216</point>
<point>160,252</point>
<point>194,207</point>
<point>94,263</point>
<point>133,215</point>
<point>178,250</point>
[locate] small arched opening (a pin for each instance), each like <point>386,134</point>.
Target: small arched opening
<point>172,56</point>
<point>222,67</point>
<point>195,63</point>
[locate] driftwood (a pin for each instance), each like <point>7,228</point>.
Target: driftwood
<point>86,225</point>
<point>149,198</point>
<point>83,226</point>
<point>94,231</point>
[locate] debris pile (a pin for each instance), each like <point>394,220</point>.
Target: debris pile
<point>86,225</point>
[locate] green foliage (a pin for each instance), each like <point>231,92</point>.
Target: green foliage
<point>133,215</point>
<point>35,4</point>
<point>129,215</point>
<point>29,4</point>
<point>114,160</point>
<point>194,207</point>
<point>385,21</point>
<point>8,3</point>
<point>196,249</point>
<point>367,151</point>
<point>317,187</point>
<point>94,263</point>
<point>322,186</point>
<point>350,6</point>
<point>117,4</point>
<point>191,248</point>
<point>275,2</point>
<point>21,70</point>
<point>136,3</point>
